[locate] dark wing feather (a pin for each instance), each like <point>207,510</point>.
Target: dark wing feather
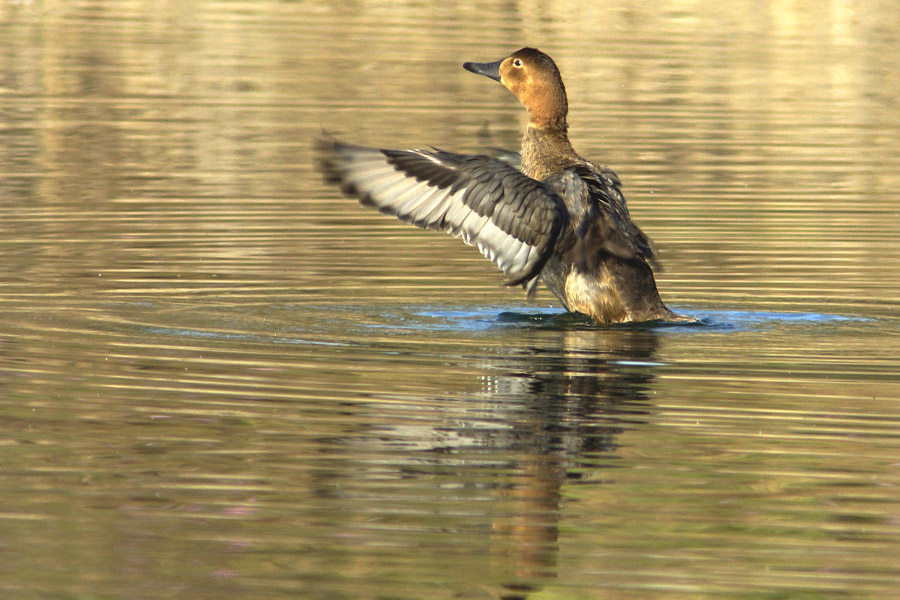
<point>514,220</point>
<point>600,219</point>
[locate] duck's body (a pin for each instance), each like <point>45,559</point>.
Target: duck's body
<point>561,218</point>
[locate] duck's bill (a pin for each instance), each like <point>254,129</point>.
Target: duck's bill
<point>491,70</point>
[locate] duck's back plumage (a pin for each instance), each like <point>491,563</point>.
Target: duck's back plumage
<point>599,219</point>
<point>600,267</point>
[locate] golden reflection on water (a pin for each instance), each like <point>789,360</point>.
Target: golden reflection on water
<point>221,376</point>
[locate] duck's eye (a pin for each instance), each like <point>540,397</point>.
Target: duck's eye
<point>517,62</point>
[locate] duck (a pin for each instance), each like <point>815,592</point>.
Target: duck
<point>557,218</point>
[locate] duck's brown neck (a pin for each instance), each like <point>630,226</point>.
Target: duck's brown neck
<point>552,121</point>
<point>546,103</point>
<point>546,150</point>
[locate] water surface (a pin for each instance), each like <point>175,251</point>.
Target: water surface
<point>221,379</point>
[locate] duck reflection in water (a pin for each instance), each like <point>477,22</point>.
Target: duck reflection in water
<point>546,416</point>
<point>564,411</point>
<point>561,218</point>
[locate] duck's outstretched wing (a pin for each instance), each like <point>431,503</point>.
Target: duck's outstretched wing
<point>514,220</point>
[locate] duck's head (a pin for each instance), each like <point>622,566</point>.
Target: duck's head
<point>533,77</point>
